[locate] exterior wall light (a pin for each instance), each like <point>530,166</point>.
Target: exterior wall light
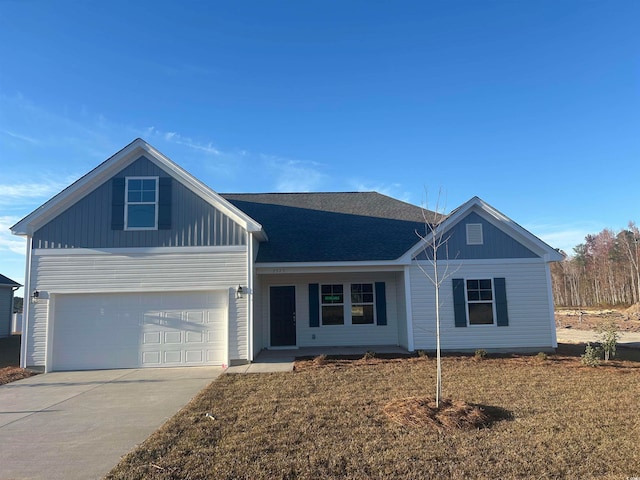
<point>239,291</point>
<point>34,296</point>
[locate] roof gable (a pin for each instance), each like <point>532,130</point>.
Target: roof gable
<point>111,167</point>
<point>506,239</point>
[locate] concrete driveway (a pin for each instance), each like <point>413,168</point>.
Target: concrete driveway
<point>77,425</point>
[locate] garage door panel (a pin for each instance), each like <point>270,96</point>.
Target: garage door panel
<point>137,330</point>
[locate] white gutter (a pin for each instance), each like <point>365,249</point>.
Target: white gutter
<point>250,295</point>
<point>552,316</point>
<point>26,307</point>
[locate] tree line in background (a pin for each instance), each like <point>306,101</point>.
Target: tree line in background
<point>603,271</point>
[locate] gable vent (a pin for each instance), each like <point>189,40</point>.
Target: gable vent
<point>474,234</point>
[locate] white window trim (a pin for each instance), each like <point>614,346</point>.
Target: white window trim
<point>126,203</point>
<point>493,303</point>
<point>347,304</point>
<point>343,305</point>
<point>471,234</point>
<point>373,304</point>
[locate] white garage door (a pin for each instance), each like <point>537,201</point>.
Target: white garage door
<point>94,331</point>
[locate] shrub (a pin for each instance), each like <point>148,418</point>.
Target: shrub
<point>609,337</point>
<point>591,356</point>
<point>368,355</point>
<point>422,353</point>
<point>320,359</point>
<point>542,356</point>
<point>480,354</point>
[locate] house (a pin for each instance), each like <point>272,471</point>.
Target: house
<point>139,264</point>
<point>7,287</point>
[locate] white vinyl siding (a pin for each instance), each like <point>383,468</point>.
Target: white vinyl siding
<point>530,322</point>
<point>138,272</point>
<point>334,335</point>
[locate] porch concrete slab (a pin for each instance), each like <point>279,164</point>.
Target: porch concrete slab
<point>77,425</point>
<point>271,361</point>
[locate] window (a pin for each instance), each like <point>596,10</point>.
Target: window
<point>141,203</point>
<point>480,302</point>
<point>474,234</point>
<point>332,302</point>
<point>362,304</point>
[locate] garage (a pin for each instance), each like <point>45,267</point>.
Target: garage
<point>133,330</point>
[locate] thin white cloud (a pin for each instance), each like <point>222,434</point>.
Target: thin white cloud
<point>563,236</point>
<point>178,139</point>
<point>294,175</point>
<point>27,193</point>
<point>18,136</point>
<point>391,190</point>
<point>9,242</point>
<point>41,130</point>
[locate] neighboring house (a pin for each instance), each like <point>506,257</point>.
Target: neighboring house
<point>7,287</point>
<point>139,264</point>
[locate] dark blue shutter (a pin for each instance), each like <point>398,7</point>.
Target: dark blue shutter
<point>459,303</point>
<point>314,305</point>
<point>117,203</point>
<point>381,304</point>
<point>164,203</point>
<point>500,288</point>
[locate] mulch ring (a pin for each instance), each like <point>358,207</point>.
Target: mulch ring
<point>421,412</point>
<point>11,374</point>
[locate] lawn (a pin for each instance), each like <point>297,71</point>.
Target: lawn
<point>559,420</point>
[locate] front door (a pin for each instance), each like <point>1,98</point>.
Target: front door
<point>283,316</point>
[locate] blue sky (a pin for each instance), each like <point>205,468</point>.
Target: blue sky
<point>534,106</point>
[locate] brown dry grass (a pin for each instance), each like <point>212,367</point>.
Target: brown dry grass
<point>560,420</point>
<point>11,374</point>
<point>10,361</point>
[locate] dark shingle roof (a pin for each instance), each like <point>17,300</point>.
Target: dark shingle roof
<point>7,282</point>
<point>324,227</point>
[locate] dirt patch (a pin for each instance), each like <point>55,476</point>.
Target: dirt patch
<point>11,374</point>
<point>627,320</point>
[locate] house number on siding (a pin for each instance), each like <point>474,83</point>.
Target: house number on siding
<point>278,270</point>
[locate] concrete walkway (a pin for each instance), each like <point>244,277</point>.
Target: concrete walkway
<point>77,425</point>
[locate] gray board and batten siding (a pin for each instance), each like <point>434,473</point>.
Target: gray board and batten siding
<point>88,223</point>
<point>496,243</point>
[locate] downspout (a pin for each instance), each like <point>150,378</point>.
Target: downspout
<point>26,307</point>
<point>250,296</point>
<point>552,316</point>
<point>409,308</point>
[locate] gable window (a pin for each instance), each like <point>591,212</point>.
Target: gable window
<point>332,304</point>
<point>362,304</point>
<point>141,203</point>
<point>480,302</point>
<point>474,234</point>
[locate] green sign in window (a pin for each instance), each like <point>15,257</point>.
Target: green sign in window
<point>331,298</point>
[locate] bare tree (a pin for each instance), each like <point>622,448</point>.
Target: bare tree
<point>435,242</point>
<point>604,270</point>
